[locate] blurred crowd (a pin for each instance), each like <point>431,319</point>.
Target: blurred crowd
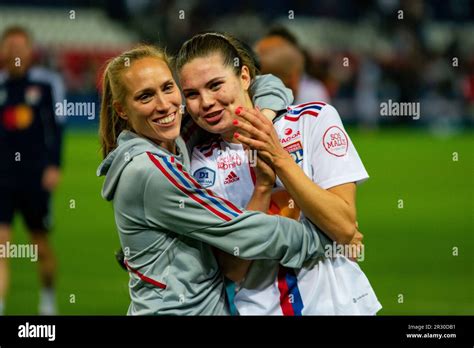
<point>361,53</point>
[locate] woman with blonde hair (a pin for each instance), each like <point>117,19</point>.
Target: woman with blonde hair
<point>167,222</point>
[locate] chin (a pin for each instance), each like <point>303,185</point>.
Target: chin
<point>222,127</point>
<point>172,134</point>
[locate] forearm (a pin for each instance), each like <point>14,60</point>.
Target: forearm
<point>260,200</point>
<point>325,209</point>
<point>232,266</point>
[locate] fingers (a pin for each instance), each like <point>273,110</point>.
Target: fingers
<point>251,143</point>
<point>251,130</point>
<point>254,117</point>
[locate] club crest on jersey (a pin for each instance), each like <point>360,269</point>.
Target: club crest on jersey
<point>296,151</point>
<point>205,176</point>
<point>335,141</point>
<point>290,136</point>
<point>32,95</point>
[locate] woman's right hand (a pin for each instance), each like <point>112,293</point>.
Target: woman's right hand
<point>357,245</point>
<point>261,136</point>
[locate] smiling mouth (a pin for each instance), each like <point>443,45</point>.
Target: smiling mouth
<point>213,117</point>
<point>165,120</point>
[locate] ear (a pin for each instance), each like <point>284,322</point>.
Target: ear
<point>119,109</point>
<point>245,78</point>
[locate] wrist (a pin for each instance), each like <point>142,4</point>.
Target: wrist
<point>262,188</point>
<point>282,161</point>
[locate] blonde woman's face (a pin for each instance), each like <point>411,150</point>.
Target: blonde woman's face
<point>152,103</point>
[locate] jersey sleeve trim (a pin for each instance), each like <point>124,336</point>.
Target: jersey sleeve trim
<point>358,178</point>
<point>185,183</point>
<point>296,111</point>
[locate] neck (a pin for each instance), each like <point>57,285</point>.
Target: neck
<point>169,145</point>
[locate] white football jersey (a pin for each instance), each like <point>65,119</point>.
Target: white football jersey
<point>315,137</point>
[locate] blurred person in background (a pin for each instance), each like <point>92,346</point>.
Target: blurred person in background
<point>30,143</point>
<point>279,54</point>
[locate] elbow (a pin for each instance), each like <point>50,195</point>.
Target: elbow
<point>346,233</point>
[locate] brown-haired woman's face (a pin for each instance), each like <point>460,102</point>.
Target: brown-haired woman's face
<point>213,91</point>
<point>152,100</point>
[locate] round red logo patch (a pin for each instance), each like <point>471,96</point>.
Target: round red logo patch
<point>335,141</point>
<point>288,131</point>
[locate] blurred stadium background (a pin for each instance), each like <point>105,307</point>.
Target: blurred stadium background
<point>426,57</point>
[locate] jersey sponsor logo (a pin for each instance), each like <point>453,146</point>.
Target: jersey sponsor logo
<point>205,176</point>
<point>291,137</point>
<point>288,131</point>
<point>228,161</point>
<point>335,141</point>
<point>295,150</point>
<point>232,177</point>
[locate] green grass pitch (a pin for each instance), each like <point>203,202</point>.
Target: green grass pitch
<point>419,258</point>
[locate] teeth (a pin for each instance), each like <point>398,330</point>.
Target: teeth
<point>166,119</point>
<point>213,114</point>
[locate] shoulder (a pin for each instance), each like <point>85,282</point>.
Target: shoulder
<point>46,77</point>
<point>314,111</point>
<point>43,74</point>
<point>166,169</point>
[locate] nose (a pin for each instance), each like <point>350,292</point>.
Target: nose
<point>162,104</point>
<point>207,101</point>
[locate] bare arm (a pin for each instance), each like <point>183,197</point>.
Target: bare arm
<point>333,210</point>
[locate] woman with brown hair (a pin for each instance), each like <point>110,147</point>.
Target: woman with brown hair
<point>317,167</point>
<point>167,222</point>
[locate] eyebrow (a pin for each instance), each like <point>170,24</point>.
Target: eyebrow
<point>208,83</point>
<point>150,89</point>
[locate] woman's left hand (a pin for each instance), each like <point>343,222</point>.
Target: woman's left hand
<point>261,135</point>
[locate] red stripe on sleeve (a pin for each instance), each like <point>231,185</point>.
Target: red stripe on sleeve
<point>185,191</point>
<point>144,277</point>
<point>209,192</point>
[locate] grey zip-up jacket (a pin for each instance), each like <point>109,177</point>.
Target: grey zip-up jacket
<point>168,224</point>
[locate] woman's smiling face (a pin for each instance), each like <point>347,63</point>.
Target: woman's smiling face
<point>152,104</point>
<point>213,91</point>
